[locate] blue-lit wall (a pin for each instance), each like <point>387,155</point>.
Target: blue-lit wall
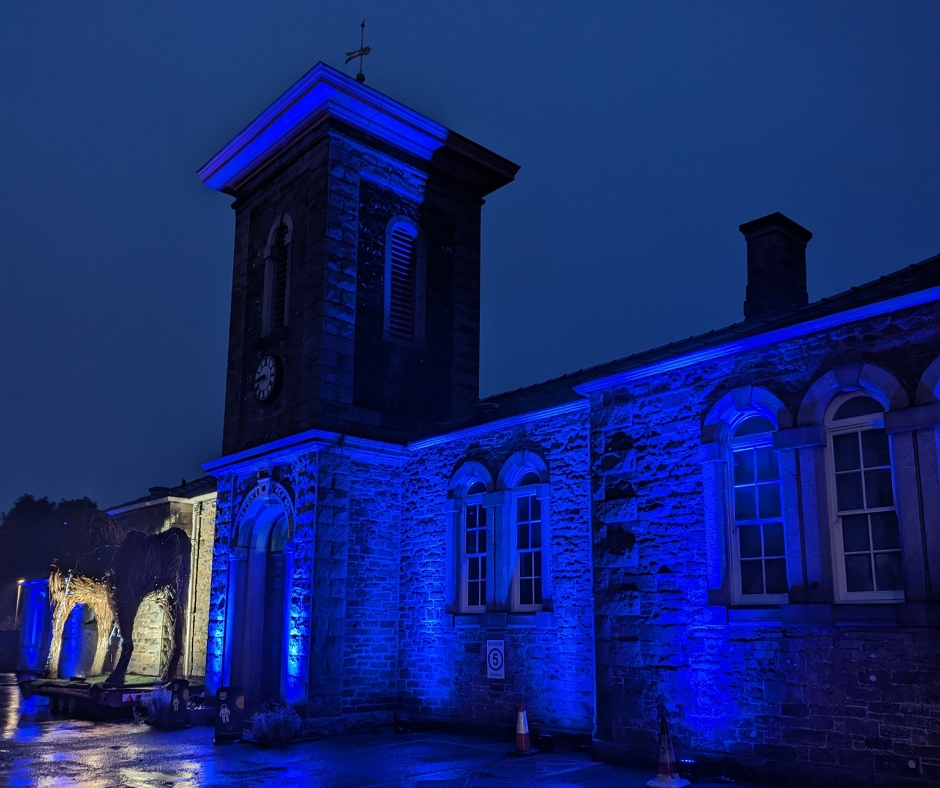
<point>809,682</point>
<point>35,626</point>
<point>549,656</point>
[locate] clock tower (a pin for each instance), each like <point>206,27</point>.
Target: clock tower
<point>356,284</point>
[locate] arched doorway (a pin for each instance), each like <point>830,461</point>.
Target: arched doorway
<point>259,621</point>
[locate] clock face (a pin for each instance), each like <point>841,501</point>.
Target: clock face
<point>266,378</point>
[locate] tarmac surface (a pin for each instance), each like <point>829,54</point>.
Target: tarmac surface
<point>37,749</point>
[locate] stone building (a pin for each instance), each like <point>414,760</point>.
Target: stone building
<point>190,506</point>
<point>739,530</point>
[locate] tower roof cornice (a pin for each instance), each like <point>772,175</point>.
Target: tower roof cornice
<point>324,93</point>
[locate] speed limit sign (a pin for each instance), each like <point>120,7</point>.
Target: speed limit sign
<point>495,660</point>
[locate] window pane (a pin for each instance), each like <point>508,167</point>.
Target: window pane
<point>776,570</point>
<point>536,534</point>
<point>483,591</point>
<point>888,571</point>
<point>473,569</point>
<point>473,595</point>
<point>471,517</point>
<point>522,508</point>
<point>471,542</point>
<point>522,536</point>
<point>476,488</point>
<point>536,508</point>
<point>884,531</point>
<point>530,478</point>
<point>878,491</point>
<point>752,577</point>
<point>525,592</point>
<point>481,516</point>
<point>855,533</point>
<point>768,496</point>
<point>483,568</point>
<point>481,541</point>
<point>744,505</point>
<point>845,451</point>
<point>768,469</point>
<point>754,426</point>
<point>875,448</point>
<point>849,491</point>
<point>743,467</point>
<point>538,564</point>
<point>773,539</point>
<point>858,573</point>
<point>857,406</point>
<point>525,562</point>
<point>538,591</point>
<point>749,541</point>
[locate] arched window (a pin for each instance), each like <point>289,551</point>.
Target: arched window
<point>527,543</point>
<point>866,537</point>
<point>276,276</point>
<point>475,540</point>
<point>471,544</point>
<point>405,255</point>
<point>757,544</point>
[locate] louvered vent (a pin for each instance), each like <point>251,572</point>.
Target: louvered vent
<point>401,305</point>
<point>279,296</point>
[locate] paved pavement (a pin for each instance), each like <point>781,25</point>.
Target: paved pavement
<point>38,750</point>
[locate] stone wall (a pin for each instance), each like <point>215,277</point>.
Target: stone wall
<point>549,655</point>
<point>793,688</point>
<point>150,639</point>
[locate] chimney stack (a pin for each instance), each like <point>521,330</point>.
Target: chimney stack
<point>776,265</point>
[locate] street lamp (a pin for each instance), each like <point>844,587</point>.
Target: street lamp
<point>16,615</point>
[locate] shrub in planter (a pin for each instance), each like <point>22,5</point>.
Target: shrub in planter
<point>276,725</point>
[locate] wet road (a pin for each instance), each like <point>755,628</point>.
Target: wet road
<point>38,750</point>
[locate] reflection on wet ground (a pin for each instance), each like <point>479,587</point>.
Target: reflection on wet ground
<point>37,749</point>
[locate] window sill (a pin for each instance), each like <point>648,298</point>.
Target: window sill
<point>541,619</point>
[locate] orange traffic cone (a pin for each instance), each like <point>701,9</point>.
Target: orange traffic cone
<point>668,776</point>
<point>523,744</point>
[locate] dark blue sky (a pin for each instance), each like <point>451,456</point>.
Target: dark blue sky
<point>646,132</point>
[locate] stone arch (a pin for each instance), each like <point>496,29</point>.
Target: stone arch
<point>928,387</point>
<point>266,494</point>
<point>517,465</point>
<point>465,475</point>
<point>737,405</point>
<point>880,384</point>
<point>261,569</point>
<point>281,218</point>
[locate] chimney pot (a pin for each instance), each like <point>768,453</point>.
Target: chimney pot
<point>776,265</point>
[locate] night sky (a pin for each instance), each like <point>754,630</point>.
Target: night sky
<point>646,132</point>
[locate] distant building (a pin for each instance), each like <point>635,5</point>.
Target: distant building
<point>741,530</point>
<point>190,506</point>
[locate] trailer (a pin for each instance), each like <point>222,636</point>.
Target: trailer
<point>88,697</point>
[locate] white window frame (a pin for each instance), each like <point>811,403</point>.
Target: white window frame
<point>855,425</point>
<point>751,442</point>
<point>477,499</point>
<point>541,493</point>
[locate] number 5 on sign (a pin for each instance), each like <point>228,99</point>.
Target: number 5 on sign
<point>495,662</point>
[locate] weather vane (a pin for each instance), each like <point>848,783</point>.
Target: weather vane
<point>360,53</point>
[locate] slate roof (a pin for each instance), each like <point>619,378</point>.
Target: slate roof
<point>193,489</point>
<point>559,391</point>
